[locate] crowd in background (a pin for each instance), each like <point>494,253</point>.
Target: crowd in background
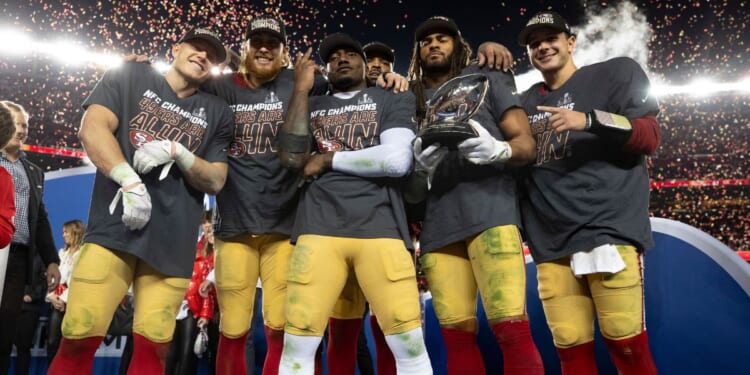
<point>704,138</point>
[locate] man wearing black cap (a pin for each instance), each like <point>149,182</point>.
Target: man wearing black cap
<point>350,219</point>
<point>380,59</point>
<point>256,208</point>
<point>346,340</point>
<point>135,121</point>
<point>470,237</point>
<point>586,214</point>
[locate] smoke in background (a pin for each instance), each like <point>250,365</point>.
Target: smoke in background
<point>605,33</point>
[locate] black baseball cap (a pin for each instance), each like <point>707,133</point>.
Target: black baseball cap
<point>379,49</point>
<point>334,41</point>
<point>272,25</point>
<point>211,37</point>
<point>436,23</point>
<point>543,20</point>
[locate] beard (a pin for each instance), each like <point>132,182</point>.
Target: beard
<point>343,83</point>
<point>262,73</point>
<point>436,68</point>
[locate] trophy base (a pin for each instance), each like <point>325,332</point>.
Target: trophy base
<point>448,136</point>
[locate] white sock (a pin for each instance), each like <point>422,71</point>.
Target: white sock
<point>298,356</point>
<point>410,353</point>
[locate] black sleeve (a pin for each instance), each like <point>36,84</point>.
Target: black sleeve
<point>38,286</point>
<point>45,243</point>
<point>502,92</point>
<point>630,91</point>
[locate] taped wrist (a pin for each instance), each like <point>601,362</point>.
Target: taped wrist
<point>610,126</point>
<point>182,156</point>
<point>124,175</point>
<point>294,143</point>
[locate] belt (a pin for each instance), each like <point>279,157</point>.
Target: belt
<point>18,247</point>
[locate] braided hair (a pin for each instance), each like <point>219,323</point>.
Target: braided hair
<point>459,59</point>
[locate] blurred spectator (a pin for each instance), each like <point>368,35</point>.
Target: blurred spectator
<point>7,204</point>
<point>73,238</point>
<point>197,312</point>
<point>26,331</point>
<point>33,233</point>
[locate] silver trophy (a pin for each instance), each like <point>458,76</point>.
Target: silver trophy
<point>450,108</point>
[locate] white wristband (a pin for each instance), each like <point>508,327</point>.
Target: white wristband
<point>124,174</point>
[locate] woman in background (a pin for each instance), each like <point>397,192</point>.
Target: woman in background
<point>72,237</point>
<point>196,312</point>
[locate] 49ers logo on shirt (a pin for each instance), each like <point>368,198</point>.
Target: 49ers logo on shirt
<point>236,149</point>
<point>329,145</point>
<point>138,138</point>
<point>160,119</point>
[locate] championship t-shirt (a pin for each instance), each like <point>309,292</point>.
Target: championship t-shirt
<point>467,198</point>
<point>345,205</point>
<point>260,196</point>
<point>584,191</point>
<point>148,109</point>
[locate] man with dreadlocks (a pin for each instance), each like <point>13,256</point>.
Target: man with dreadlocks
<point>470,238</point>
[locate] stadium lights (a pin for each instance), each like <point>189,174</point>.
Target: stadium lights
<point>67,52</point>
<point>702,87</point>
<point>16,43</point>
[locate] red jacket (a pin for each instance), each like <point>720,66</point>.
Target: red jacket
<point>201,307</point>
<point>7,207</point>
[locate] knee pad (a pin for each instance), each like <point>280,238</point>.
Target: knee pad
<point>232,266</point>
<point>619,303</point>
<point>155,320</point>
<point>570,316</point>
<point>500,272</point>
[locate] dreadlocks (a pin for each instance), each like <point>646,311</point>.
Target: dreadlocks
<point>459,59</point>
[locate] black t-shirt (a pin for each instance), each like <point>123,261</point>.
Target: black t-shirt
<point>345,205</point>
<point>467,198</point>
<point>584,191</point>
<point>148,109</point>
<point>260,196</point>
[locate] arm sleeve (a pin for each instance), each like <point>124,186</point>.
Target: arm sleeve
<point>207,307</point>
<point>391,158</point>
<point>645,136</point>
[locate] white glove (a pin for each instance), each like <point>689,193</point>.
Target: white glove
<point>484,148</point>
<point>136,202</point>
<point>156,153</point>
<point>429,158</point>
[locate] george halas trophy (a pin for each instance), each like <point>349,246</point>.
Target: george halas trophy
<point>450,108</point>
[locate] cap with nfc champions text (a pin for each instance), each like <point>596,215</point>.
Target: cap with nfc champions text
<point>436,23</point>
<point>379,49</point>
<point>211,37</point>
<point>272,25</point>
<point>335,41</point>
<point>543,20</point>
